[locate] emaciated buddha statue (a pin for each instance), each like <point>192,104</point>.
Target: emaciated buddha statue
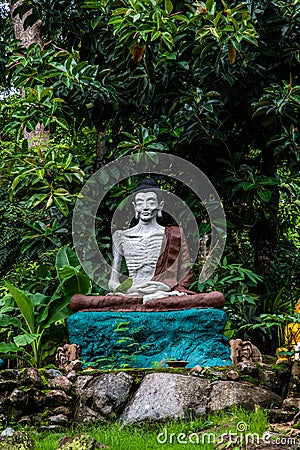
<point>158,263</point>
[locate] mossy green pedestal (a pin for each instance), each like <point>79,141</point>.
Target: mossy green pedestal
<point>139,339</point>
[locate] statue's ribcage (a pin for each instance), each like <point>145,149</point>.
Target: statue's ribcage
<point>141,255</point>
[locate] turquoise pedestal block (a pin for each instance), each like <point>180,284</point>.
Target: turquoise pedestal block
<point>139,339</point>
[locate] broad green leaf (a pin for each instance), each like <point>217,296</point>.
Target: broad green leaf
<point>15,183</point>
<point>39,299</point>
<point>57,311</point>
<point>8,347</point>
<point>27,246</point>
<point>25,339</point>
<point>61,205</point>
<point>36,199</point>
<point>168,6</point>
<point>7,320</point>
<point>265,195</point>
<point>74,281</point>
<point>168,39</point>
<point>125,285</point>
<point>25,305</point>
<point>247,186</point>
<point>63,123</point>
<point>269,181</point>
<point>66,257</point>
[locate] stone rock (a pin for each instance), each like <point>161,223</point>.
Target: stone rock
<point>62,410</point>
<point>58,419</point>
<point>162,396</point>
<point>11,374</point>
<point>247,368</point>
<point>278,415</point>
<point>82,382</point>
<point>57,398</point>
<point>19,398</point>
<point>24,420</point>
<point>72,375</point>
<point>233,375</point>
<point>196,371</point>
<point>208,372</point>
<point>52,373</point>
<point>37,419</point>
<point>80,442</point>
<point>8,385</point>
<point>105,394</point>
<point>73,366</point>
<point>61,383</point>
<point>84,414</point>
<point>271,379</point>
<point>31,377</point>
<point>38,398</point>
<point>214,374</point>
<point>294,384</point>
<point>225,394</point>
<point>290,402</point>
<point>194,335</point>
<point>7,432</point>
<point>2,402</point>
<point>19,440</point>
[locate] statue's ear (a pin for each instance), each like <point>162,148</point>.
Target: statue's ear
<point>160,208</point>
<point>136,215</point>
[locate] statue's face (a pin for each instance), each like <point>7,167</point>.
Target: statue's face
<point>146,205</point>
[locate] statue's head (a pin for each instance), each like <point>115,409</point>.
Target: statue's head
<point>146,200</point>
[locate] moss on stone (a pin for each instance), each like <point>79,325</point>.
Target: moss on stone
<point>249,379</point>
<point>21,440</point>
<point>80,442</point>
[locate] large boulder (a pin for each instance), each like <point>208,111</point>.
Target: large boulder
<point>162,396</point>
<point>225,394</point>
<point>294,382</point>
<point>103,396</point>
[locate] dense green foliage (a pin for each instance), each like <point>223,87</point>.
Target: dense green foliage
<point>214,82</point>
<point>36,320</point>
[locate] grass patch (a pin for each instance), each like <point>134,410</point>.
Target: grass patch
<point>172,435</point>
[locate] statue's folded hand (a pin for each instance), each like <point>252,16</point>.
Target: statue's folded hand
<point>178,293</point>
<point>117,293</point>
<point>161,294</point>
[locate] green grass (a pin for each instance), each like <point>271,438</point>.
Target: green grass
<point>144,437</point>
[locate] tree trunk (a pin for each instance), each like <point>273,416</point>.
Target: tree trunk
<point>28,36</point>
<point>32,34</point>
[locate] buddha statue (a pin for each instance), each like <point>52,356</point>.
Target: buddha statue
<point>158,263</point>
